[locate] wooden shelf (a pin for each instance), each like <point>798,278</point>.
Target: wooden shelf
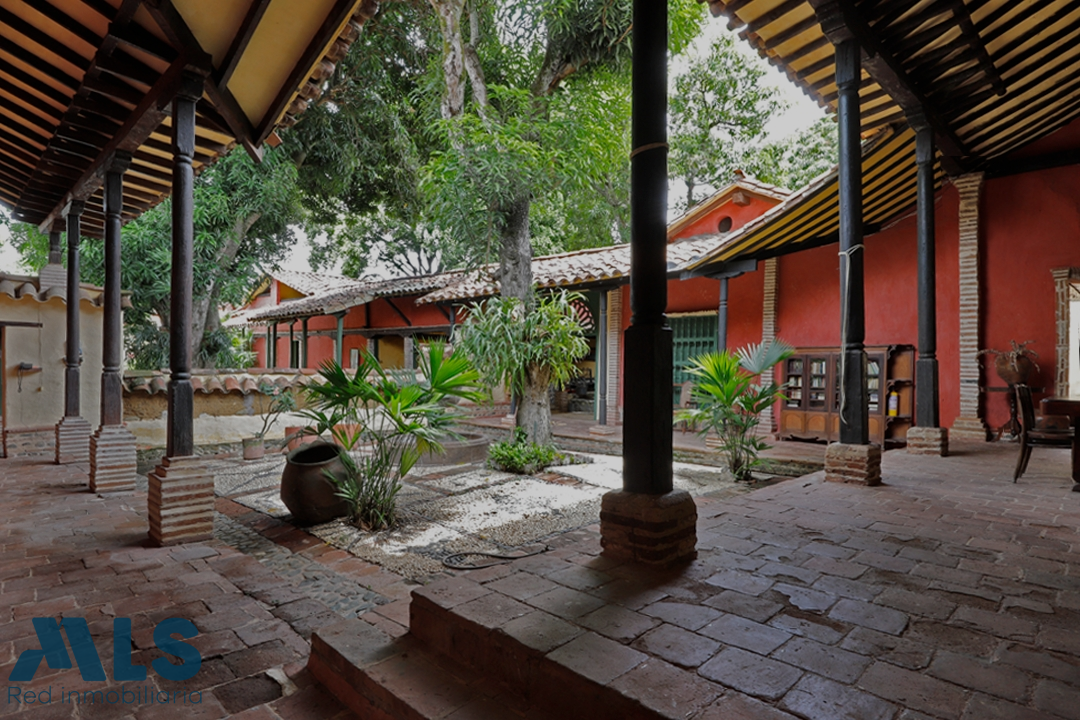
<point>811,411</point>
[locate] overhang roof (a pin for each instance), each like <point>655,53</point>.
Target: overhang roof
<point>989,76</point>
<point>742,184</point>
<point>82,79</point>
<point>811,216</point>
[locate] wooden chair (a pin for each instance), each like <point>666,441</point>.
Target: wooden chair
<point>1030,432</point>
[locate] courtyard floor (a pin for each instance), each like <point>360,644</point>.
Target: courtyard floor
<point>949,592</point>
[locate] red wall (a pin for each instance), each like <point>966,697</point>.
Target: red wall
<point>739,214</point>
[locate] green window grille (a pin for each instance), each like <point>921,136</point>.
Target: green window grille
<point>692,336</point>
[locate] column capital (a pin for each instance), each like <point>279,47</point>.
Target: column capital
<point>190,86</point>
<point>74,208</point>
<point>119,162</point>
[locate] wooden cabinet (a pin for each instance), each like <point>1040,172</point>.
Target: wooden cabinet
<point>812,408</point>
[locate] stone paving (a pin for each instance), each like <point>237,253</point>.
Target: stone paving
<point>949,592</point>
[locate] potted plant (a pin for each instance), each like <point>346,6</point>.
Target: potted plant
<point>273,401</point>
<point>1014,366</point>
<point>380,424</point>
<point>730,393</point>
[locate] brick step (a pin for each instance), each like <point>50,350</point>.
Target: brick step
<point>383,678</point>
<point>545,661</point>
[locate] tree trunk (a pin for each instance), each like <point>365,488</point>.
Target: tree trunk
<point>515,253</point>
<point>534,408</point>
<point>449,12</point>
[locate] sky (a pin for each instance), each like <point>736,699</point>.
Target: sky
<point>801,113</point>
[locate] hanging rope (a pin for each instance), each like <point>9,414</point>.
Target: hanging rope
<point>651,146</point>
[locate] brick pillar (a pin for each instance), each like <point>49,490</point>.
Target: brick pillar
<point>611,354</point>
<point>970,424</point>
<point>1062,280</point>
<point>768,333</point>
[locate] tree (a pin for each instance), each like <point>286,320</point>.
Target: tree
<point>243,218</point>
<point>719,108</point>
<point>526,349</point>
<point>796,160</point>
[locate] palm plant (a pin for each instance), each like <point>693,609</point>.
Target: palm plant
<point>386,422</point>
<point>731,392</point>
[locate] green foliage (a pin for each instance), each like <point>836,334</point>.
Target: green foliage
<point>273,402</point>
<point>518,455</point>
<point>732,391</point>
<point>798,159</point>
<point>389,421</point>
<point>243,218</point>
<point>505,339</point>
<point>719,108</point>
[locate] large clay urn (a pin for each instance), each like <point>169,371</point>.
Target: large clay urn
<point>305,489</point>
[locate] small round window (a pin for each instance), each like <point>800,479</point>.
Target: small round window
<point>725,225</point>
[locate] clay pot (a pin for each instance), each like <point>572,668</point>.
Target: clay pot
<point>305,489</point>
<point>1014,372</point>
<point>253,448</point>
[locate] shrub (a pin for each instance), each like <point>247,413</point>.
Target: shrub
<point>518,455</point>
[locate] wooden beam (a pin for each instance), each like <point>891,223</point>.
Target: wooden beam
<point>41,38</point>
<point>143,120</point>
<point>240,42</point>
<point>397,310</point>
<point>326,33</point>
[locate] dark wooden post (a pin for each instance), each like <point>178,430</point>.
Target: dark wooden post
<point>181,490</point>
<point>112,391</point>
<point>647,450</point>
<point>56,252</point>
<point>271,345</point>
<point>854,401</point>
<point>292,342</point>
<point>73,431</point>
<point>181,431</point>
<point>721,316</point>
<point>71,356</point>
<point>601,359</point>
<point>339,339</point>
<point>303,343</point>
<point>647,521</point>
<point>112,447</point>
<point>926,367</point>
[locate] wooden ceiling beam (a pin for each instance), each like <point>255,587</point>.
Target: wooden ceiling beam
<point>331,24</point>
<point>34,61</point>
<point>971,36</point>
<point>240,42</point>
<point>65,21</point>
<point>766,18</point>
<point>123,65</point>
<point>112,88</point>
<point>137,37</point>
<point>841,20</point>
<point>28,119</point>
<point>28,98</point>
<point>143,120</point>
<point>42,38</point>
<point>177,31</point>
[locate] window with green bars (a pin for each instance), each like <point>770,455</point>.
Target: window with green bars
<point>692,335</point>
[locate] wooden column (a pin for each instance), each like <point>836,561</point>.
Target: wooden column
<point>303,343</point>
<point>339,339</point>
<point>926,438</point>
<point>271,345</point>
<point>854,401</point>
<point>73,431</point>
<point>181,490</point>
<point>112,447</point>
<point>647,521</point>
<point>721,316</point>
<point>601,360</point>
<point>409,350</point>
<point>292,341</point>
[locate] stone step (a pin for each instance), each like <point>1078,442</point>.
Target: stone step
<point>546,661</point>
<point>383,678</point>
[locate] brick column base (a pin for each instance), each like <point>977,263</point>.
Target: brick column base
<point>928,441</point>
<point>853,464</point>
<point>658,530</point>
<point>969,428</point>
<point>181,501</point>
<point>73,440</point>
<point>112,459</point>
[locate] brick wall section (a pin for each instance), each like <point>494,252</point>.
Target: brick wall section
<point>1062,278</point>
<point>768,330</point>
<point>611,353</point>
<point>970,423</point>
<point>29,442</point>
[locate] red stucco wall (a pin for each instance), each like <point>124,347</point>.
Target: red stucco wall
<point>739,214</point>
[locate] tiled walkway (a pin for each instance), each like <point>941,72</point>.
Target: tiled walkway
<point>947,593</point>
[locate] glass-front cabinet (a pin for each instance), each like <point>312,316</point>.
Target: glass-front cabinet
<point>812,408</point>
